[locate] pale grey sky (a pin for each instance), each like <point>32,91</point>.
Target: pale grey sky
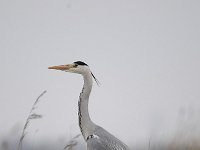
<point>146,54</point>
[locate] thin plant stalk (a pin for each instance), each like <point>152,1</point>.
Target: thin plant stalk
<point>30,117</point>
<point>73,142</point>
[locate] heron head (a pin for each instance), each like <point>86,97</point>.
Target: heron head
<point>76,67</point>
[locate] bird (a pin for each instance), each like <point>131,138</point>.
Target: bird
<point>96,137</point>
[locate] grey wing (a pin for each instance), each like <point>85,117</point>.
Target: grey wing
<point>103,140</point>
<point>95,144</point>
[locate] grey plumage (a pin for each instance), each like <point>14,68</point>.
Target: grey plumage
<point>103,140</point>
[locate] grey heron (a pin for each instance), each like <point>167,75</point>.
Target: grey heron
<point>95,136</point>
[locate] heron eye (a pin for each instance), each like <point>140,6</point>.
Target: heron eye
<point>75,65</point>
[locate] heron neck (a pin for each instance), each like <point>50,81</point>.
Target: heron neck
<point>85,123</point>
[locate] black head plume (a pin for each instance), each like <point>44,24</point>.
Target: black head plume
<point>98,83</point>
<point>80,63</point>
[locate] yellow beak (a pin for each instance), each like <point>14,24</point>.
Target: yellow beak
<point>62,67</point>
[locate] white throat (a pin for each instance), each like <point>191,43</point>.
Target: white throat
<point>85,123</point>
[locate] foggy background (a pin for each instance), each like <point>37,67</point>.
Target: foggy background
<point>144,53</point>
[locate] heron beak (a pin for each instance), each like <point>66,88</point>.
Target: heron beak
<point>62,67</point>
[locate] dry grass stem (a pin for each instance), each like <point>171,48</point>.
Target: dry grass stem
<point>30,117</point>
<point>73,142</point>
